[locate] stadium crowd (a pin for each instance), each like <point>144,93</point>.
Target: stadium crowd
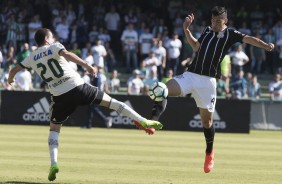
<point>141,38</point>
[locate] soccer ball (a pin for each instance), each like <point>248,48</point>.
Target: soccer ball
<point>158,91</point>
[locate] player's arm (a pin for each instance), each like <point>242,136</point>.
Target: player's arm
<point>69,56</point>
<point>258,43</point>
<point>13,72</point>
<point>190,38</point>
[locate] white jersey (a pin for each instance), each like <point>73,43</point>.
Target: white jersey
<point>54,69</point>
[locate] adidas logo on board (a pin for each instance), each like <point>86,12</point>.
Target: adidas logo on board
<point>38,112</point>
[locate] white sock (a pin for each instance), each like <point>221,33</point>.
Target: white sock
<point>53,142</point>
<point>125,110</point>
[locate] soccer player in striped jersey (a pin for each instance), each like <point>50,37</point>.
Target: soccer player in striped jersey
<point>200,78</point>
<point>68,90</point>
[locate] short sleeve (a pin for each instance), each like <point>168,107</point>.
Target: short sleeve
<point>206,30</point>
<point>236,36</point>
<point>26,62</point>
<point>58,47</point>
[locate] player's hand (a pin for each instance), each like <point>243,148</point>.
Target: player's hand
<point>92,71</point>
<point>188,20</point>
<point>270,47</point>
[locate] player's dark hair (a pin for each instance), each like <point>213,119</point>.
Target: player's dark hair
<point>40,36</point>
<point>219,10</point>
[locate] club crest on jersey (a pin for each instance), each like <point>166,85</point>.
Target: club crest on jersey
<point>42,54</point>
<point>220,35</point>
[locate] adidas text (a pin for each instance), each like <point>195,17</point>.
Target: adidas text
<point>36,117</point>
<point>121,120</point>
<point>198,124</point>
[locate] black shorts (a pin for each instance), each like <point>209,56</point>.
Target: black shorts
<point>63,106</point>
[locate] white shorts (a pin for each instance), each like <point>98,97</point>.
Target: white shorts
<point>202,88</point>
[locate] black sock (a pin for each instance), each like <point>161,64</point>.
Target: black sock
<point>209,135</point>
<point>158,109</point>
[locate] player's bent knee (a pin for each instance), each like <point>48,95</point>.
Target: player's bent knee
<point>99,97</point>
<point>103,99</point>
<point>173,88</point>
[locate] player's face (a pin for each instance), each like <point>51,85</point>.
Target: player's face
<point>50,38</point>
<point>218,23</point>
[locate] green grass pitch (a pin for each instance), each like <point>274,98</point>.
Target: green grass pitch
<point>121,156</point>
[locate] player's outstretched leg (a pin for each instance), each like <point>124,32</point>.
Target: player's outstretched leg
<point>54,169</point>
<point>125,110</point>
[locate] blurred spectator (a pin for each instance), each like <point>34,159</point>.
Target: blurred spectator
<point>130,18</point>
<point>279,51</point>
<point>23,80</point>
<point>221,88</point>
<point>148,81</point>
<point>89,58</point>
<point>33,25</point>
<point>145,41</point>
<point>242,13</point>
<point>104,36</point>
<point>58,15</point>
<point>82,31</point>
<point>277,30</point>
<point>254,89</point>
<point>129,39</point>
<point>238,59</point>
<point>75,49</point>
<point>160,54</point>
<point>21,34</point>
<point>12,31</point>
<point>173,7</point>
<point>238,86</point>
<point>270,56</point>
<point>72,35</point>
<point>93,34</point>
<point>174,46</point>
<point>62,30</point>
<point>177,24</point>
<point>10,59</point>
<point>70,14</point>
<point>275,88</point>
<point>24,53</point>
<point>244,29</point>
<point>112,21</point>
<point>110,59</point>
<point>225,66</point>
<point>114,83</point>
<point>134,84</point>
<point>257,58</point>
<point>3,26</point>
<point>1,59</point>
<point>99,52</point>
<point>150,63</point>
<point>4,80</point>
<point>168,76</point>
<point>159,27</point>
<point>85,49</point>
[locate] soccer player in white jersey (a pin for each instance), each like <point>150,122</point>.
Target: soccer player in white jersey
<point>68,90</point>
<point>200,78</point>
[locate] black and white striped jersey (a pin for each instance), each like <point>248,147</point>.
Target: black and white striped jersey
<point>213,47</point>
